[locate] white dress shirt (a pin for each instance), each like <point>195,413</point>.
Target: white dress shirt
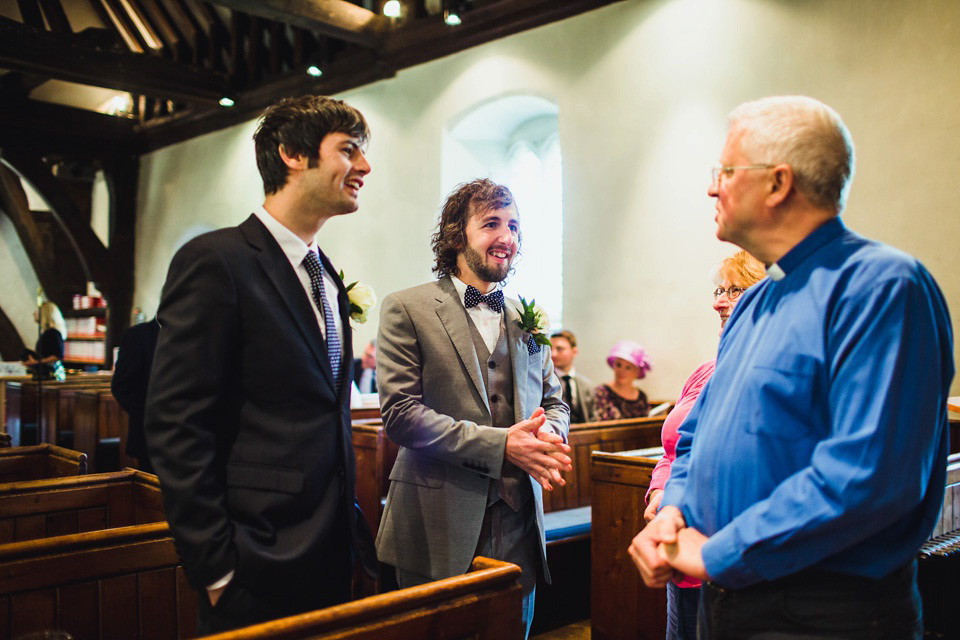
<point>485,319</point>
<point>296,250</point>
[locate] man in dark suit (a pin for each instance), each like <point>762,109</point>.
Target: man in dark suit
<point>129,384</point>
<point>577,388</point>
<point>248,418</point>
<point>365,369</point>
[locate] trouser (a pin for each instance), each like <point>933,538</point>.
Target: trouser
<point>682,607</point>
<point>815,604</point>
<point>241,605</point>
<point>509,536</point>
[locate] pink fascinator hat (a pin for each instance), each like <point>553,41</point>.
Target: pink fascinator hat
<point>631,352</point>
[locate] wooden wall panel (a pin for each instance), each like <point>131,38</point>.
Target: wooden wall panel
<point>118,608</point>
<point>80,609</point>
<point>158,603</point>
<point>32,611</point>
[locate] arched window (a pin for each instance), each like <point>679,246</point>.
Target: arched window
<point>513,140</point>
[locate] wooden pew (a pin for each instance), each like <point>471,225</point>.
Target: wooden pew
<point>97,417</point>
<point>621,605</point>
<point>60,506</point>
<point>950,514</point>
<point>484,604</point>
<point>21,404</point>
<point>116,583</point>
<point>19,464</point>
<point>85,571</point>
<point>375,454</point>
<point>610,436</point>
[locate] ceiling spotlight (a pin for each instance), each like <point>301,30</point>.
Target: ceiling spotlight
<point>391,8</point>
<point>227,101</point>
<point>314,70</point>
<point>451,17</point>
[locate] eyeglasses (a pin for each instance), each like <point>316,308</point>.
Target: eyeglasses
<point>732,293</point>
<point>722,170</point>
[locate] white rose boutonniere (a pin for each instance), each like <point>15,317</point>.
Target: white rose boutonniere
<point>534,320</point>
<point>362,299</point>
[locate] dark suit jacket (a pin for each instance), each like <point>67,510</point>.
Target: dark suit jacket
<point>129,384</point>
<point>245,428</point>
<point>358,371</point>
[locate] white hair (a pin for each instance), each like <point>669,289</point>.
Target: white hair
<point>806,134</point>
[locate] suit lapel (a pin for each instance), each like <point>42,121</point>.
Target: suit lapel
<point>278,270</point>
<point>454,319</point>
<point>517,342</point>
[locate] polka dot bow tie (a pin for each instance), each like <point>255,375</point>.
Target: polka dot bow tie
<point>473,297</point>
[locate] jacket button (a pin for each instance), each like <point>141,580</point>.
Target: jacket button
<point>494,398</point>
<point>492,364</point>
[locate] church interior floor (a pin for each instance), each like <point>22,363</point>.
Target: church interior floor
<point>576,631</point>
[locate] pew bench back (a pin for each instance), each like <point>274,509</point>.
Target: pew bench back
<point>62,506</point>
<point>483,604</point>
<point>20,464</point>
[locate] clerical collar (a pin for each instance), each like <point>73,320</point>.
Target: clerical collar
<point>826,232</point>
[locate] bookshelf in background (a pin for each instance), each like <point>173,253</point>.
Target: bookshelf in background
<point>86,342</point>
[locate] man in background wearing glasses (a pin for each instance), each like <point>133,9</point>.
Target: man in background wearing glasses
<point>813,466</point>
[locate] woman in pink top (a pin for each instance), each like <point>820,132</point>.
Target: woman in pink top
<point>734,275</point>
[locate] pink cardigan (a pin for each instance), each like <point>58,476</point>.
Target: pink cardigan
<point>669,436</point>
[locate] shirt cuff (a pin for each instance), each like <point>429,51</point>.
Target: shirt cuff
<point>222,582</point>
<point>724,561</point>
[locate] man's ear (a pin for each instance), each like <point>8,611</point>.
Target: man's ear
<point>780,185</point>
<point>295,162</point>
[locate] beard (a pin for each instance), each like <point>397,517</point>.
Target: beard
<point>487,273</point>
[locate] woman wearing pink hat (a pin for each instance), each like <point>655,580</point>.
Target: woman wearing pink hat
<point>621,399</point>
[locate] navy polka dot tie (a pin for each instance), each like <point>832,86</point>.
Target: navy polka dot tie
<point>313,266</point>
<point>472,297</point>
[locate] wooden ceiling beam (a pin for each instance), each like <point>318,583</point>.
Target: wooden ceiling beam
<point>50,128</point>
<point>332,18</point>
<point>429,38</point>
<point>56,16</point>
<point>29,51</point>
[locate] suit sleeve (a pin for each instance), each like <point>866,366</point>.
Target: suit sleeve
<point>558,413</point>
<point>407,420</point>
<point>188,393</point>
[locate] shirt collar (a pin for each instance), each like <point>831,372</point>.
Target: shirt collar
<point>292,246</point>
<point>826,232</point>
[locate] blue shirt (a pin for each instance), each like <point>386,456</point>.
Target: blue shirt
<point>821,439</point>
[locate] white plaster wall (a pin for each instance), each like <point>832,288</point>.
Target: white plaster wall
<point>18,285</point>
<point>643,89</point>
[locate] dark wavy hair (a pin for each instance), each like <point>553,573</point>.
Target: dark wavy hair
<point>467,199</point>
<point>300,125</point>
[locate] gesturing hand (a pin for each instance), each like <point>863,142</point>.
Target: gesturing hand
<point>542,454</point>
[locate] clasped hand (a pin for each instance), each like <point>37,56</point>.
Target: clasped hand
<point>667,546</point>
<point>541,453</point>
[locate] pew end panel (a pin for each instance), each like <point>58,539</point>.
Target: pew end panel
<point>585,438</point>
<point>483,604</point>
<point>622,606</point>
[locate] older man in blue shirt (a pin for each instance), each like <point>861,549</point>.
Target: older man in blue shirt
<point>813,465</point>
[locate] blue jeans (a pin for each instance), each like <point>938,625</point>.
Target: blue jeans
<point>682,607</point>
<point>815,604</point>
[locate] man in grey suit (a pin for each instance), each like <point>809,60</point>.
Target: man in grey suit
<point>577,388</point>
<point>474,404</point>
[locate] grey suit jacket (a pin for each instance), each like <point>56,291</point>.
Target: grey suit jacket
<point>434,405</point>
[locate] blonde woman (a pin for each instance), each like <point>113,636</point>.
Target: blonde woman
<point>53,331</point>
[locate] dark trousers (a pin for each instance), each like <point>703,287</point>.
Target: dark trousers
<point>815,604</point>
<point>241,605</point>
<point>682,607</point>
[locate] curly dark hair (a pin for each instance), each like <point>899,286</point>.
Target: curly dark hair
<point>465,200</point>
<point>300,125</point>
